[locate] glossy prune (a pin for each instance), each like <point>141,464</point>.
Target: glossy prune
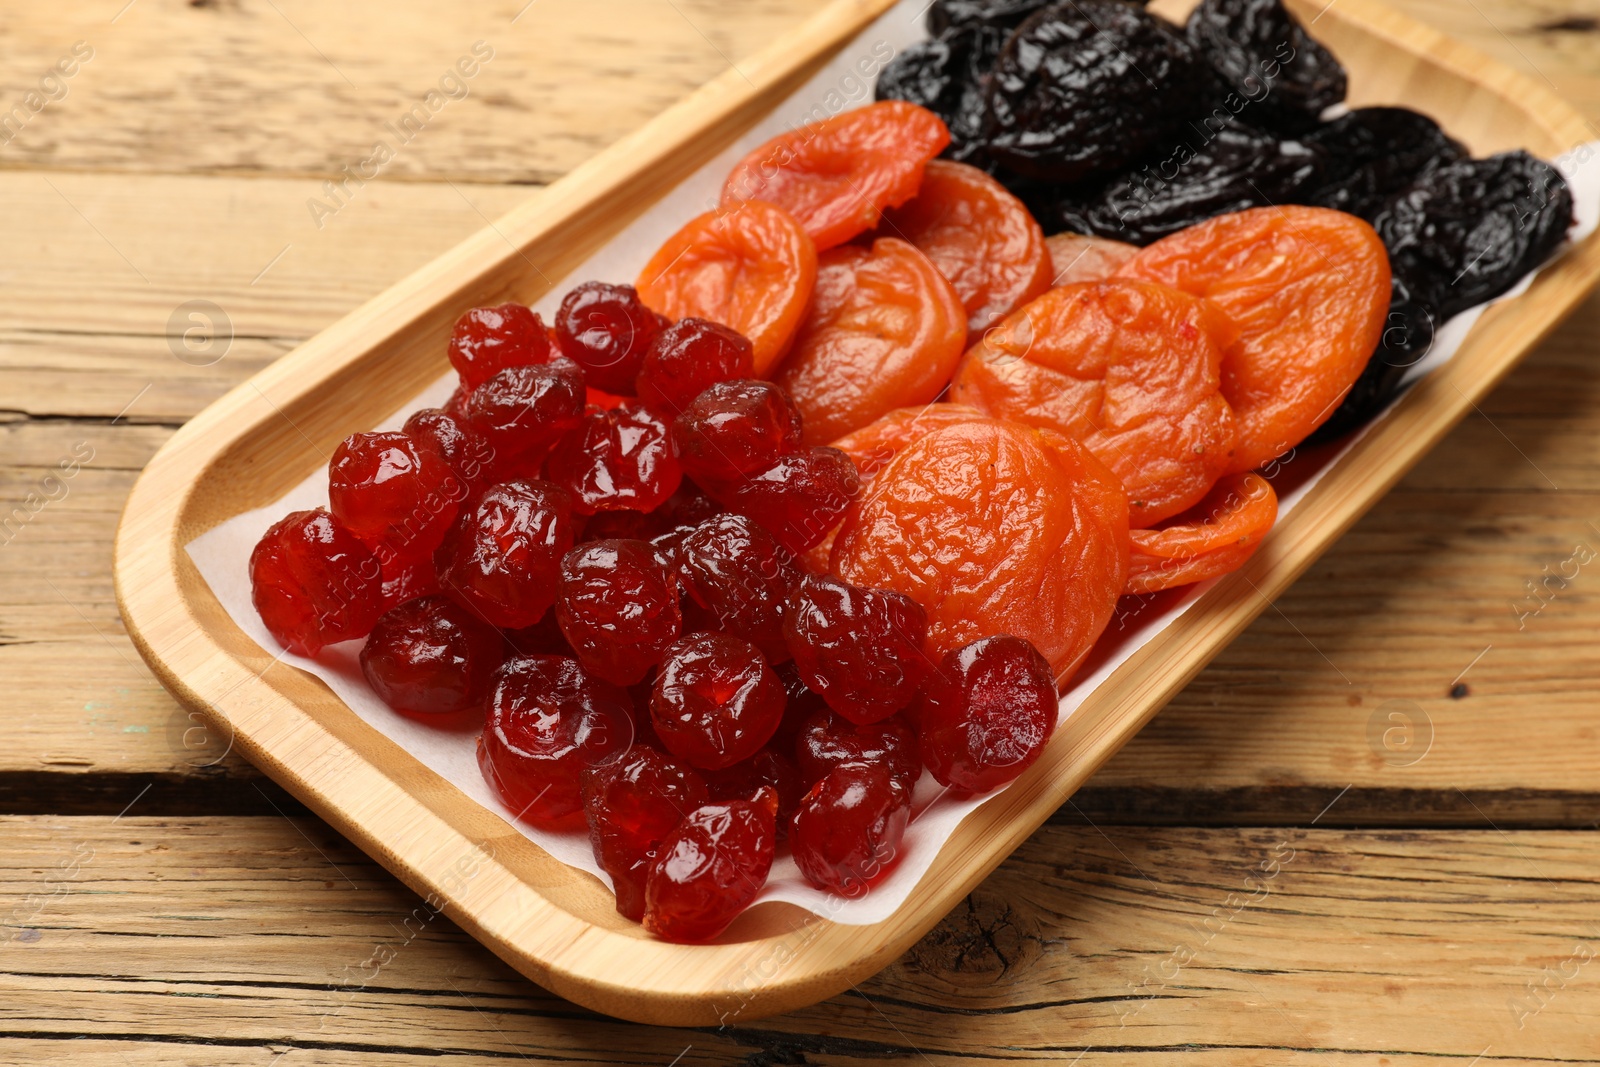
<point>945,75</point>
<point>1372,153</point>
<point>1083,88</point>
<point>946,15</point>
<point>1260,50</point>
<point>1464,233</point>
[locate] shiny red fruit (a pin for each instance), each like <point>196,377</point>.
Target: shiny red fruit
<point>487,340</point>
<point>735,429</point>
<point>768,768</point>
<point>800,497</point>
<point>314,583</point>
<point>826,742</point>
<point>607,330</point>
<point>522,411</point>
<point>503,556</point>
<point>616,460</point>
<point>715,700</point>
<point>469,455</point>
<point>987,713</point>
<point>859,649</point>
<point>632,804</point>
<point>689,357</point>
<point>618,608</point>
<point>736,570</point>
<point>848,830</point>
<point>431,655</point>
<point>397,496</point>
<point>711,868</point>
<point>405,580</point>
<point>547,723</point>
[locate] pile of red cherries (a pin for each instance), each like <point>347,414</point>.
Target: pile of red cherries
<point>596,545</point>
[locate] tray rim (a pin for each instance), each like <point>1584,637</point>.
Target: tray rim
<point>651,981</point>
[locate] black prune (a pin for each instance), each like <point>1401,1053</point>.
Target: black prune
<point>1373,153</point>
<point>1466,232</point>
<point>1407,336</point>
<point>1084,87</point>
<point>1232,169</point>
<point>945,75</point>
<point>1256,43</point>
<point>945,15</point>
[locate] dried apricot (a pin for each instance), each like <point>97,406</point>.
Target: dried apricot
<point>1131,370</point>
<point>1309,290</point>
<point>979,236</point>
<point>884,329</point>
<point>748,266</point>
<point>874,445</point>
<point>1215,537</point>
<point>994,528</point>
<point>838,175</point>
<point>1078,257</point>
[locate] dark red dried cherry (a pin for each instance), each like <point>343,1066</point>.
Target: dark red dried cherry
<point>859,649</point>
<point>487,340</point>
<point>800,497</point>
<point>608,330</point>
<point>742,575</point>
<point>826,742</point>
<point>735,429</point>
<point>618,607</point>
<point>632,804</point>
<point>847,832</point>
<point>432,656</point>
<point>622,459</point>
<point>522,411</point>
<point>986,713</point>
<point>503,556</point>
<point>467,452</point>
<point>715,700</point>
<point>711,868</point>
<point>405,580</point>
<point>769,768</point>
<point>314,583</point>
<point>399,497</point>
<point>689,357</point>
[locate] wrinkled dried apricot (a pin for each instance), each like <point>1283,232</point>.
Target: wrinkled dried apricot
<point>1309,290</point>
<point>874,445</point>
<point>838,175</point>
<point>884,329</point>
<point>979,236</point>
<point>749,266</point>
<point>1078,257</point>
<point>994,528</point>
<point>1131,370</point>
<point>1214,537</point>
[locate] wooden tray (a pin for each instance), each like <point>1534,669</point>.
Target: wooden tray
<point>553,923</point>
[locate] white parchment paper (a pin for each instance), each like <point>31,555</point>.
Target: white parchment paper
<point>221,554</point>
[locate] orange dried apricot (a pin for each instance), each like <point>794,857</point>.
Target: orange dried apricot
<point>1131,370</point>
<point>874,445</point>
<point>1077,257</point>
<point>994,528</point>
<point>884,329</point>
<point>1215,537</point>
<point>1309,290</point>
<point>747,266</point>
<point>838,175</point>
<point>980,237</point>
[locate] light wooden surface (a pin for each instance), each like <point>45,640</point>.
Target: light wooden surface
<point>1270,733</point>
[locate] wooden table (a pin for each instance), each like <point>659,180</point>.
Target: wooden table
<point>1432,885</point>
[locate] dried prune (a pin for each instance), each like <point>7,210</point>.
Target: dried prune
<point>945,15</point>
<point>1261,51</point>
<point>1464,233</point>
<point>1407,336</point>
<point>1374,152</point>
<point>946,75</point>
<point>1083,88</point>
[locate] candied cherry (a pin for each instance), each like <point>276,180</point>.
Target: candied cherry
<point>859,649</point>
<point>632,804</point>
<point>847,831</point>
<point>503,556</point>
<point>826,742</point>
<point>689,357</point>
<point>618,607</point>
<point>314,583</point>
<point>986,713</point>
<point>769,768</point>
<point>543,638</point>
<point>608,331</point>
<point>405,580</point>
<point>735,429</point>
<point>742,575</point>
<point>711,868</point>
<point>801,497</point>
<point>715,701</point>
<point>522,411</point>
<point>468,454</point>
<point>397,496</point>
<point>487,340</point>
<point>431,655</point>
<point>547,723</point>
<point>622,459</point>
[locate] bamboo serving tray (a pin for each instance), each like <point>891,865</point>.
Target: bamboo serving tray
<point>558,925</point>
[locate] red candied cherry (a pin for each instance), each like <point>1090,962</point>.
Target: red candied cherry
<point>711,868</point>
<point>405,580</point>
<point>800,497</point>
<point>522,411</point>
<point>455,404</point>
<point>768,768</point>
<point>397,496</point>
<point>314,583</point>
<point>737,571</point>
<point>848,829</point>
<point>616,460</point>
<point>986,713</point>
<point>547,723</point>
<point>715,700</point>
<point>826,742</point>
<point>468,454</point>
<point>543,638</point>
<point>632,804</point>
<point>735,429</point>
<point>487,340</point>
<point>803,702</point>
<point>618,607</point>
<point>431,655</point>
<point>689,357</point>
<point>503,556</point>
<point>608,330</point>
<point>859,649</point>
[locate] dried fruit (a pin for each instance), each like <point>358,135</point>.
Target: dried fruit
<point>800,497</point>
<point>1215,537</point>
<point>1372,153</point>
<point>618,460</point>
<point>487,340</point>
<point>859,649</point>
<point>769,769</point>
<point>873,446</point>
<point>742,576</point>
<point>633,803</point>
<point>1261,52</point>
<point>432,656</point>
<point>734,429</point>
<point>715,701</point>
<point>607,330</point>
<point>1408,334</point>
<point>397,497</point>
<point>689,357</point>
<point>407,579</point>
<point>468,454</point>
<point>946,15</point>
<point>503,556</point>
<point>825,742</point>
<point>618,608</point>
<point>945,75</point>
<point>1078,257</point>
<point>522,411</point>
<point>987,713</point>
<point>314,583</point>
<point>711,868</point>
<point>848,829</point>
